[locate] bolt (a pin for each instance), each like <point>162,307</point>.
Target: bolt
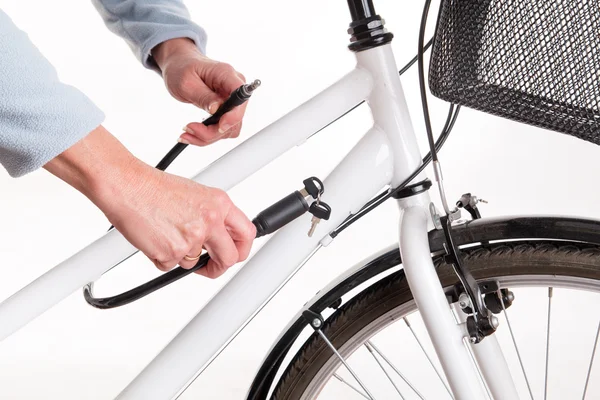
<point>494,322</point>
<point>463,301</point>
<point>510,296</point>
<point>473,339</point>
<point>316,323</point>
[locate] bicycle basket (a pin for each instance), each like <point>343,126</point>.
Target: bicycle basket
<point>534,61</point>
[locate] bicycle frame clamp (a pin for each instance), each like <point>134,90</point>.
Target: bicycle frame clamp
<point>414,189</point>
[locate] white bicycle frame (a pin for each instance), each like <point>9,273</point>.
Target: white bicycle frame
<point>386,155</point>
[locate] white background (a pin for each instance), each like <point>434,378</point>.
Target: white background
<point>296,49</point>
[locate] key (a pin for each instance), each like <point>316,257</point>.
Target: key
<point>313,225</point>
<point>320,211</point>
<point>313,187</point>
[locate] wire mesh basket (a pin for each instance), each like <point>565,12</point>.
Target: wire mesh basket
<point>534,61</point>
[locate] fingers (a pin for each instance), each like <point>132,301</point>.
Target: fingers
<point>194,252</point>
<point>231,245</point>
<point>208,89</point>
<point>195,91</point>
<point>164,266</point>
<point>200,135</point>
<point>224,79</point>
<point>223,253</point>
<point>230,124</point>
<point>241,230</point>
<point>228,80</point>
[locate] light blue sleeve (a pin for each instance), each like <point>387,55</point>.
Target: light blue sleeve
<point>146,23</point>
<point>40,117</point>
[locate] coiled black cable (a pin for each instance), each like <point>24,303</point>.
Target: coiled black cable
<point>237,98</point>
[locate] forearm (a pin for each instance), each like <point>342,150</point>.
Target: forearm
<point>100,167</point>
<point>165,216</point>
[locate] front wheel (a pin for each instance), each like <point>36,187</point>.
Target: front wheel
<point>379,334</point>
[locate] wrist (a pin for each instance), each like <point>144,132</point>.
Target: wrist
<point>167,49</point>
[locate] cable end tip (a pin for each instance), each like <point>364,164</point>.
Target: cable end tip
<point>254,85</point>
<point>247,89</point>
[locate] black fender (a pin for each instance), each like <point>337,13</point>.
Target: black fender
<point>571,229</point>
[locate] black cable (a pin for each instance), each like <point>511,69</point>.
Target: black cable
<point>145,289</point>
<point>415,58</point>
<point>480,312</point>
<point>138,292</point>
<point>214,119</point>
<point>238,97</point>
<point>421,70</point>
<point>266,222</point>
<point>382,197</point>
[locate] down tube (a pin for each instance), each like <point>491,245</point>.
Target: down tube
<point>111,249</point>
<point>364,171</point>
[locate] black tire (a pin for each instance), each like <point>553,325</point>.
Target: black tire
<point>485,262</point>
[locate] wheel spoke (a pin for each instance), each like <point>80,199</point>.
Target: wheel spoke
<point>550,290</point>
<point>351,386</point>
<point>368,346</point>
<point>339,356</point>
<point>587,379</point>
<point>515,344</point>
<point>427,356</point>
<point>395,369</point>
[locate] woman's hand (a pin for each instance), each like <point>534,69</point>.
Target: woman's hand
<point>164,216</point>
<point>194,78</point>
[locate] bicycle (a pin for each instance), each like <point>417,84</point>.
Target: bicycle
<point>502,254</point>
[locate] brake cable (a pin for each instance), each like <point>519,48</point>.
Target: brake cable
<point>481,323</point>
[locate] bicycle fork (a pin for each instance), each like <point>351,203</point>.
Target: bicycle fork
<point>448,336</point>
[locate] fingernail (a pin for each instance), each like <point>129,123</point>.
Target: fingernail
<point>213,108</point>
<point>181,140</point>
<point>188,130</point>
